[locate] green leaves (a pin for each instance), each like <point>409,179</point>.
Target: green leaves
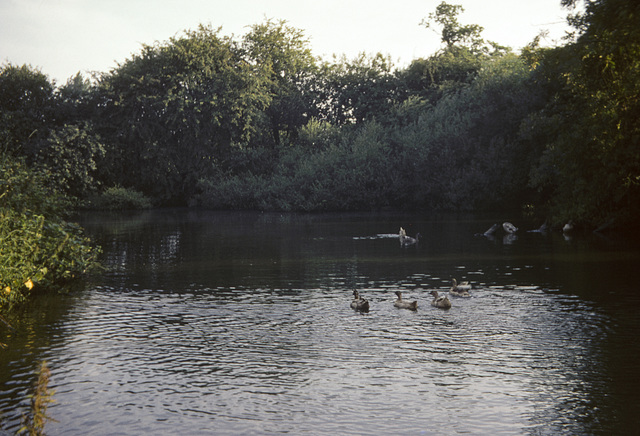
<point>259,122</point>
<point>38,249</point>
<point>453,33</point>
<point>591,123</point>
<point>177,106</point>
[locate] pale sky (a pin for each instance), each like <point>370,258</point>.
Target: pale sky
<point>63,37</point>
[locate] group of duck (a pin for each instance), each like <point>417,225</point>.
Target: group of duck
<point>511,229</point>
<point>442,301</point>
<point>361,304</point>
<point>459,290</point>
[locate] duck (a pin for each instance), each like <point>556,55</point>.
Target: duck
<point>403,304</point>
<point>405,241</point>
<point>359,303</point>
<point>542,229</point>
<point>509,228</point>
<point>440,301</point>
<point>460,290</point>
<point>491,230</point>
<point>490,233</point>
<point>568,227</point>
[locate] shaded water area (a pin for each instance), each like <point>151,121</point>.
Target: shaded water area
<point>239,323</point>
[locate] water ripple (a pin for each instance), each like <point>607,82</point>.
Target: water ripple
<point>237,360</point>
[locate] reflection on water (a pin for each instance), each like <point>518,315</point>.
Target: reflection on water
<point>228,323</point>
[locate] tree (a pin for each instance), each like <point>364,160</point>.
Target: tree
<point>284,53</point>
<point>75,100</point>
<point>458,63</point>
<point>443,72</point>
<point>26,108</point>
<point>172,112</point>
<point>70,154</point>
<point>358,90</point>
<point>592,167</point>
<point>453,33</point>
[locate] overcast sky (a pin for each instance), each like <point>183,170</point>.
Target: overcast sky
<point>63,37</point>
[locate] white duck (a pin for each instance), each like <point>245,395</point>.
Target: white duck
<point>405,240</point>
<point>509,228</point>
<point>568,227</point>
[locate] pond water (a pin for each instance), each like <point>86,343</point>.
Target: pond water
<point>240,323</point>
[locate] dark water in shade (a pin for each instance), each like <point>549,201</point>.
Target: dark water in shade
<point>239,323</point>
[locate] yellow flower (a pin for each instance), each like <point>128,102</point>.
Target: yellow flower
<point>7,290</point>
<point>29,284</point>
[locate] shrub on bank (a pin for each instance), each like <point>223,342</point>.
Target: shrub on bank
<point>119,198</point>
<point>39,250</point>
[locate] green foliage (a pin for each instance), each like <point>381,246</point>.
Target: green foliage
<point>362,89</point>
<point>25,191</point>
<point>119,198</point>
<point>177,108</point>
<point>463,152</point>
<point>453,33</point>
<point>38,249</point>
<point>457,64</point>
<point>284,54</point>
<point>458,36</point>
<point>39,253</point>
<point>71,154</point>
<point>445,72</point>
<point>48,129</point>
<point>259,123</point>
<point>341,176</point>
<point>318,135</point>
<point>591,170</point>
<point>26,108</point>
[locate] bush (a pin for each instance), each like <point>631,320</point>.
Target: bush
<point>22,190</point>
<point>119,198</point>
<point>38,249</point>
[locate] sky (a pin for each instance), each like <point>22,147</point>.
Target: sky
<point>64,37</point>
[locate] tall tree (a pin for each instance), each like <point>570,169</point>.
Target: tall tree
<point>175,110</point>
<point>27,104</point>
<point>452,32</point>
<point>284,52</point>
<point>457,63</point>
<point>362,89</point>
<point>592,165</point>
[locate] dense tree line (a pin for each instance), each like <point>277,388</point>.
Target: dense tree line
<point>260,123</point>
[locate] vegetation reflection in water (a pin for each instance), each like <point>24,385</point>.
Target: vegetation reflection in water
<point>240,322</point>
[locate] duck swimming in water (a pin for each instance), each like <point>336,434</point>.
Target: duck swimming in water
<point>440,301</point>
<point>405,240</point>
<point>490,233</point>
<point>403,304</point>
<point>460,290</point>
<point>402,235</point>
<point>509,228</point>
<point>491,230</point>
<point>542,229</point>
<point>359,303</point>
<point>568,227</point>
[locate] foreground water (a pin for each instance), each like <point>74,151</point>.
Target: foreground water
<point>239,323</point>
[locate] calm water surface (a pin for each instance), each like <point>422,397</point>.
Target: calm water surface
<point>239,323</point>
